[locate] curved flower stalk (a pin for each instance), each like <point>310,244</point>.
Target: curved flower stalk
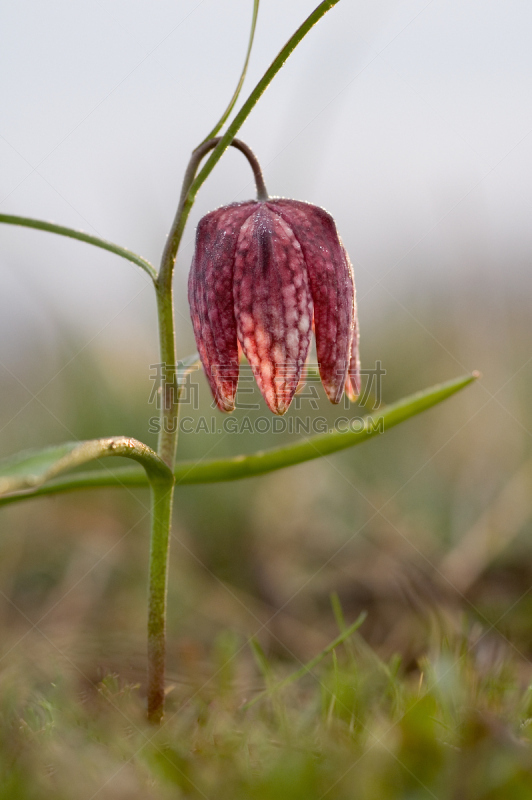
<point>264,273</point>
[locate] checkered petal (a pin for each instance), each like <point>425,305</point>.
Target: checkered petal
<point>210,294</point>
<point>273,305</point>
<point>332,288</point>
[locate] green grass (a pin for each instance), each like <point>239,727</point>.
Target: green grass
<point>430,698</point>
<point>354,727</point>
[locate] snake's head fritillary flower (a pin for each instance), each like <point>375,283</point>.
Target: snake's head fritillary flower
<point>264,274</point>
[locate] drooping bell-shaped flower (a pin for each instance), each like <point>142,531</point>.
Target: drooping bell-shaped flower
<point>264,273</point>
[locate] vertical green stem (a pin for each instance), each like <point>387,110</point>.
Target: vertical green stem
<point>162,500</point>
<point>162,497</point>
<point>167,444</point>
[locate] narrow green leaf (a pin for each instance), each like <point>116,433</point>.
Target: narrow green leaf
<point>246,466</point>
<point>295,676</point>
<point>41,225</point>
<point>33,468</point>
<point>236,94</point>
<point>29,469</point>
<point>261,659</point>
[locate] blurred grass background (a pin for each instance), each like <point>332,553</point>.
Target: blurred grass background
<point>440,504</point>
<point>426,528</point>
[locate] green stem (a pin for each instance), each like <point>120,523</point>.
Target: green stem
<point>71,233</point>
<point>162,498</point>
<point>169,398</point>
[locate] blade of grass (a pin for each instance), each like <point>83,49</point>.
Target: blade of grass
<point>338,612</point>
<point>340,622</point>
<point>247,466</point>
<point>261,660</point>
<point>358,642</point>
<point>299,673</point>
<point>71,233</point>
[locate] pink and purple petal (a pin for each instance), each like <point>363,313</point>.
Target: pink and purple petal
<point>273,305</point>
<point>210,294</point>
<point>331,285</point>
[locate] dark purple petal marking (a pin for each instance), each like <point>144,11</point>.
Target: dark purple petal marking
<point>210,292</point>
<point>331,285</point>
<point>273,305</point>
